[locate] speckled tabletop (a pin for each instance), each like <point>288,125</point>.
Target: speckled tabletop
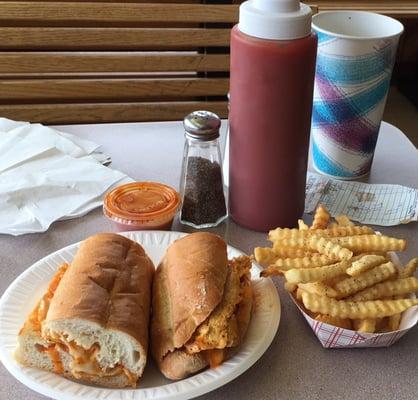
<point>295,366</point>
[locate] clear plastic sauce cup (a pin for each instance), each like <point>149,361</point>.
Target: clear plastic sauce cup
<point>142,206</point>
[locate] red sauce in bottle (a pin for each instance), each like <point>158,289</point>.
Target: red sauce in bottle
<point>271,92</point>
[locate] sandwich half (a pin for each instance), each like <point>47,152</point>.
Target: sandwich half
<point>201,305</point>
<point>92,323</point>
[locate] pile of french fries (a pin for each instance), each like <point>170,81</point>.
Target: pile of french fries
<point>341,273</point>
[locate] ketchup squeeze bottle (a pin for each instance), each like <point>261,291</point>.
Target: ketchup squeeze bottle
<point>273,54</point>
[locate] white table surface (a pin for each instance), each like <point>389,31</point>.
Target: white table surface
<point>295,366</point>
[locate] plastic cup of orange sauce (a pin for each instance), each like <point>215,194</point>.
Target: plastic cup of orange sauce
<point>141,206</point>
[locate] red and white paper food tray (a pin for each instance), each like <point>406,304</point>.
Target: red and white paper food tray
<point>333,337</point>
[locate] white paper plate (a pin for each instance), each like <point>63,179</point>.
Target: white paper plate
<point>25,291</point>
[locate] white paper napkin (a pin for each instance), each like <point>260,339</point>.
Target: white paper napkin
<point>46,175</point>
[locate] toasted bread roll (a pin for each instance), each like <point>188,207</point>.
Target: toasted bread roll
<point>93,326</point>
<point>201,305</point>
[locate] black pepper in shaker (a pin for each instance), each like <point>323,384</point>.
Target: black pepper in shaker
<point>201,186</point>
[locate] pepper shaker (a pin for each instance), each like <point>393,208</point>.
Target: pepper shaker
<point>201,185</point>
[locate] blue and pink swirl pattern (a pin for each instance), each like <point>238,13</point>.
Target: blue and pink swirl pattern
<point>351,85</point>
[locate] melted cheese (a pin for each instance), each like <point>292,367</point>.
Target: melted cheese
<point>84,362</point>
<point>132,378</point>
<point>214,357</point>
<point>53,355</point>
<point>55,358</point>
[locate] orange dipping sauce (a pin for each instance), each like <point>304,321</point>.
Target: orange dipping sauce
<point>142,206</point>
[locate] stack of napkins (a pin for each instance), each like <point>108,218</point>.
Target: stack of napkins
<point>46,176</point>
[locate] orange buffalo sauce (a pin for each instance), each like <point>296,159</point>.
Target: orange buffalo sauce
<point>84,362</point>
<point>53,355</point>
<point>215,357</point>
<point>141,206</point>
<point>38,314</point>
<point>55,358</point>
<point>132,378</point>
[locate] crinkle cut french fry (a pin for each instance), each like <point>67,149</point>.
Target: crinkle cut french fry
<point>334,280</point>
<point>398,287</point>
<point>298,294</point>
<point>343,220</point>
<point>325,246</point>
<point>321,218</point>
<point>345,231</point>
<point>302,226</point>
<point>410,268</point>
<point>405,274</point>
<point>319,244</point>
<point>382,324</point>
<point>288,233</point>
<point>365,325</point>
<point>303,275</point>
<point>318,288</point>
<point>316,260</point>
<point>290,287</point>
<point>355,310</point>
<point>284,264</point>
<point>264,255</point>
<point>271,270</point>
<point>290,252</point>
<point>364,243</point>
<point>364,264</point>
<point>340,322</point>
<point>356,283</point>
<point>394,322</point>
<point>370,253</point>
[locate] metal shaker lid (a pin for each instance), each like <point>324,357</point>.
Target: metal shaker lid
<point>202,125</point>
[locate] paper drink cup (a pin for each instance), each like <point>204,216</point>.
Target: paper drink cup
<point>356,54</point>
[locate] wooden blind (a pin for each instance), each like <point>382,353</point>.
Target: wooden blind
<point>104,61</point>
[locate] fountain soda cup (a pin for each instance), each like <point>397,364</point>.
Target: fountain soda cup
<point>356,54</point>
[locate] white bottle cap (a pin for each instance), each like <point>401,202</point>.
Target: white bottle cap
<point>275,19</point>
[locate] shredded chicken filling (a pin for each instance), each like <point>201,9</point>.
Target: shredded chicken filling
<point>84,361</point>
<point>220,330</point>
<point>39,312</point>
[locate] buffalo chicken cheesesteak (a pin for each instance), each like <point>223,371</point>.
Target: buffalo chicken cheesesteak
<point>92,324</point>
<point>201,305</point>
